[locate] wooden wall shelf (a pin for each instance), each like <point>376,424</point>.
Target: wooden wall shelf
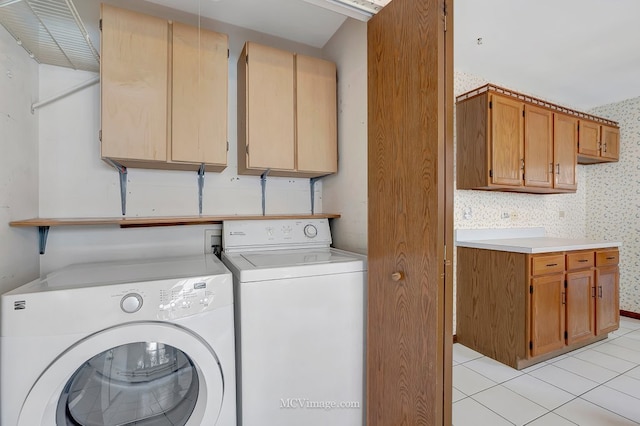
<point>43,224</point>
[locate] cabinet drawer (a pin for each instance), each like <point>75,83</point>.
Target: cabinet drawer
<point>580,260</point>
<point>547,264</point>
<point>607,257</point>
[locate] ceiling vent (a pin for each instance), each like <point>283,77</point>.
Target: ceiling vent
<point>362,10</point>
<point>51,32</point>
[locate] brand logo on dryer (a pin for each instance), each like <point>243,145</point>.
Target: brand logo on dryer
<point>19,305</point>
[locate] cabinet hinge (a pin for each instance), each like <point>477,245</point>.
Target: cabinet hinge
<point>490,104</point>
<point>227,146</point>
<point>566,335</point>
<point>227,53</point>
<point>565,283</point>
<point>523,113</point>
<point>246,59</point>
<point>530,289</point>
<point>247,149</point>
<point>100,24</point>
<point>530,345</point>
<point>491,173</point>
<point>100,135</point>
<point>444,15</point>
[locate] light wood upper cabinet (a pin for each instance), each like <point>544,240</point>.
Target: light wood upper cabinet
<point>598,142</point>
<point>565,160</point>
<point>199,96</point>
<point>589,138</point>
<point>610,142</point>
<point>134,85</point>
<point>164,93</point>
<point>507,159</point>
<point>287,116</point>
<point>538,145</point>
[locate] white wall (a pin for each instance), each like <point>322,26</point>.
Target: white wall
<point>346,192</point>
<point>74,182</point>
<point>19,259</point>
<point>613,199</point>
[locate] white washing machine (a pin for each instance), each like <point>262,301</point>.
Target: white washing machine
<point>299,324</point>
<point>147,343</point>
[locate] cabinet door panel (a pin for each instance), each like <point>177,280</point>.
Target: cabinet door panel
<point>316,125</point>
<point>199,96</point>
<point>270,108</point>
<point>547,314</point>
<point>610,142</point>
<point>538,147</point>
<point>565,142</point>
<point>589,138</point>
<point>507,141</point>
<point>134,85</point>
<point>580,310</point>
<point>607,299</point>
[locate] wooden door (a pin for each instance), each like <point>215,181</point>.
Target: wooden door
<point>547,314</point>
<point>580,298</point>
<point>199,96</point>
<point>607,299</point>
<point>565,142</point>
<point>265,109</point>
<point>589,138</point>
<point>538,147</point>
<point>134,77</point>
<point>316,116</point>
<point>610,142</point>
<point>410,188</point>
<point>507,141</point>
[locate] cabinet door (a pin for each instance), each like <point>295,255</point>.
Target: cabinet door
<point>610,142</point>
<point>134,73</point>
<point>268,95</point>
<point>547,314</point>
<point>589,138</point>
<point>538,147</point>
<point>507,161</point>
<point>565,143</point>
<point>580,306</point>
<point>316,115</point>
<point>607,299</point>
<point>199,96</point>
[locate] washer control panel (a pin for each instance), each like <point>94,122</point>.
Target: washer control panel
<point>251,235</point>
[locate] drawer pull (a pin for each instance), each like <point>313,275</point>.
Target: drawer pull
<point>552,264</point>
<point>610,257</point>
<point>600,291</point>
<point>583,260</point>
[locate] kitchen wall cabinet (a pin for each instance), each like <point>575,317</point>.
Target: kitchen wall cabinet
<point>598,142</point>
<point>507,141</point>
<point>163,93</point>
<point>533,307</point>
<point>287,116</point>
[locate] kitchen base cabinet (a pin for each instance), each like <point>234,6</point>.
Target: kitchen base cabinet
<point>521,309</point>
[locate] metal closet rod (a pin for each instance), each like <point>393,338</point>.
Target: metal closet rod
<point>66,93</point>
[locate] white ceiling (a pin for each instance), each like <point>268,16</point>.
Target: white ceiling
<point>578,53</point>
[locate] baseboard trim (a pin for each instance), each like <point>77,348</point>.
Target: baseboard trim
<point>627,314</point>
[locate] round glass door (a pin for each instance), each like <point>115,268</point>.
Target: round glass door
<point>142,383</point>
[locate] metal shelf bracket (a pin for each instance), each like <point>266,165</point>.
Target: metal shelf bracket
<point>263,185</point>
<point>122,172</point>
<point>43,232</point>
<point>200,187</point>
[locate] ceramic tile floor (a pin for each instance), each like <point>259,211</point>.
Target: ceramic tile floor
<point>598,385</point>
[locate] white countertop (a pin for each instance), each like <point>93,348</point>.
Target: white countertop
<point>525,240</point>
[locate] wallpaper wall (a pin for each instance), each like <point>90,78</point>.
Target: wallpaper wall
<point>613,199</point>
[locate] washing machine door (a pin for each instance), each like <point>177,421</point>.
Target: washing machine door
<point>139,373</point>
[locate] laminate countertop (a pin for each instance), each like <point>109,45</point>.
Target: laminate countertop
<point>525,240</point>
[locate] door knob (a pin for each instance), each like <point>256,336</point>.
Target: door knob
<point>397,276</point>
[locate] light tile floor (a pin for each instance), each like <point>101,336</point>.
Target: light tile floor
<point>598,385</point>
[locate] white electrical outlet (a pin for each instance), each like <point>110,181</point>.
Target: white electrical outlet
<point>212,237</point>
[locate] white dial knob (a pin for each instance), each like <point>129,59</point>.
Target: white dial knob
<point>131,303</point>
<point>310,231</point>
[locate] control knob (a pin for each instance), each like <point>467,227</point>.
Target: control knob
<point>131,303</point>
<point>310,231</point>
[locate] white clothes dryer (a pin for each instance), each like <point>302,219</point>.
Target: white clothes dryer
<point>147,342</point>
<point>299,324</point>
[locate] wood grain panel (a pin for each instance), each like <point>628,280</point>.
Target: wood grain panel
<point>507,156</point>
<point>547,264</point>
<point>472,116</point>
<point>316,115</point>
<point>580,307</point>
<point>565,151</point>
<point>538,147</point>
<point>199,96</point>
<point>408,218</point>
<point>134,85</point>
<point>610,142</point>
<point>491,297</point>
<point>547,313</point>
<point>607,257</point>
<point>589,138</point>
<point>580,260</point>
<point>607,299</point>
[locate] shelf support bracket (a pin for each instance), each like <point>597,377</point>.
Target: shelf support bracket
<point>263,185</point>
<point>312,187</point>
<point>200,187</point>
<point>64,94</point>
<point>43,233</point>
<point>122,172</point>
